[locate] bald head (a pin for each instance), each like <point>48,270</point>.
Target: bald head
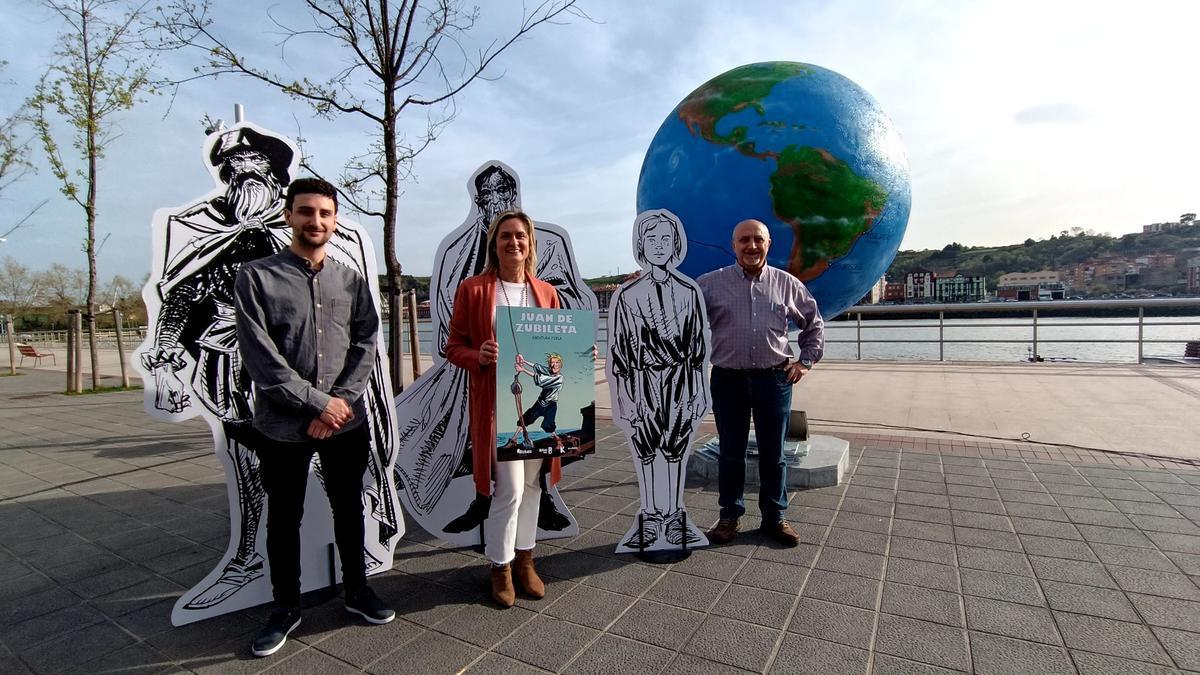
<point>751,241</point>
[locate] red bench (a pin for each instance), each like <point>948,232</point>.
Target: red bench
<point>29,351</point>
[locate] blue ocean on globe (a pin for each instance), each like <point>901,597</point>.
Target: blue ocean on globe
<point>799,147</point>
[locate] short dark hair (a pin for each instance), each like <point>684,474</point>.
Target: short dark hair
<point>310,186</point>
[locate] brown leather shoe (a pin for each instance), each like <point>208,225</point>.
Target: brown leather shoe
<point>724,532</point>
<point>781,532</point>
<point>527,577</point>
<point>502,586</point>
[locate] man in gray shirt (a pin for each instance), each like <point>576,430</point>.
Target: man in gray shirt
<point>307,329</point>
<point>750,305</point>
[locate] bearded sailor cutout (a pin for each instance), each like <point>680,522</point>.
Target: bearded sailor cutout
<point>433,456</point>
<point>658,353</point>
<point>191,367</point>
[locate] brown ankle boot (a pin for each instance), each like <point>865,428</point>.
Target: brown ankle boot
<point>527,576</point>
<point>502,586</point>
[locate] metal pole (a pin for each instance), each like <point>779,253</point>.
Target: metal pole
<point>71,351</point>
<point>414,345</point>
<point>120,347</point>
<point>858,339</point>
<point>1141,332</point>
<point>12,345</point>
<point>941,334</point>
<point>78,352</point>
<point>1035,345</point>
<point>239,113</point>
<point>396,337</point>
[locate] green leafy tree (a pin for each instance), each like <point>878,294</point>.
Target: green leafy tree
<point>100,70</point>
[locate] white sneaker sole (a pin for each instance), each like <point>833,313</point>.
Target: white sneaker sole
<point>368,619</point>
<point>272,650</point>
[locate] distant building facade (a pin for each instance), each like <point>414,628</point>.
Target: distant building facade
<point>919,286</point>
<point>1185,220</point>
<point>894,291</point>
<point>1193,276</point>
<point>960,288</point>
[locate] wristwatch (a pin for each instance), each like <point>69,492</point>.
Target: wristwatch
<point>806,363</point>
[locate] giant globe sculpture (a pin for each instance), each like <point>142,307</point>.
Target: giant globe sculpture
<point>799,147</point>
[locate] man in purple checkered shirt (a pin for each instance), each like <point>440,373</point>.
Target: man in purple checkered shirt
<point>750,305</point>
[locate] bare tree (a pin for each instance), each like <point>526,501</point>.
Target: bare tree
<point>61,288</point>
<point>396,57</point>
<point>100,70</point>
<point>18,288</point>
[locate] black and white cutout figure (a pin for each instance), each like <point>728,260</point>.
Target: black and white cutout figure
<point>658,350</point>
<point>433,458</point>
<point>191,366</point>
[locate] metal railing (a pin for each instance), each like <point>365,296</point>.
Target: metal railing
<point>1036,310</point>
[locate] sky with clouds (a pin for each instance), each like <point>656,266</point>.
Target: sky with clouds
<point>1020,118</point>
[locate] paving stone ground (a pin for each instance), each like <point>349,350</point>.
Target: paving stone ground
<point>926,559</point>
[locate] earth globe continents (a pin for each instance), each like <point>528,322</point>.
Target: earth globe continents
<point>799,147</point>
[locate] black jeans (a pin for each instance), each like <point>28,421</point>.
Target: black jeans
<point>766,396</point>
<point>284,467</point>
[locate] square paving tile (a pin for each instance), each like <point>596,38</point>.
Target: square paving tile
<point>1056,548</point>
<point>1081,599</point>
<point>911,529</point>
<point>1183,647</point>
<point>1100,664</point>
<point>613,654</point>
<point>994,654</point>
<point>1105,636</point>
<point>833,622</point>
<point>997,586</point>
<point>922,603</point>
<point>851,562</point>
<point>924,574</point>
<point>922,641</point>
<point>1073,571</point>
<point>1010,619</point>
<point>1003,541</point>
<point>800,654</point>
<point>857,540</point>
<point>592,607</point>
<point>1132,556</point>
<point>755,605</point>
<point>682,590</point>
<point>736,643</point>
<point>885,664</point>
<point>772,576</point>
<point>657,624</point>
<point>1045,528</point>
<point>842,588</point>
<point>1114,535</point>
<point>1009,562</point>
<point>1168,612</point>
<point>921,549</point>
<point>1152,582</point>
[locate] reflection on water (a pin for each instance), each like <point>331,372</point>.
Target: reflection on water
<point>984,329</point>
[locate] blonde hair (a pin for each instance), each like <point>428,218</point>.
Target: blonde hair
<point>493,262</point>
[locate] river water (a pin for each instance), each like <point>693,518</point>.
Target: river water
<point>894,333</point>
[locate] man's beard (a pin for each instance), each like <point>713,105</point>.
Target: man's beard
<point>251,195</point>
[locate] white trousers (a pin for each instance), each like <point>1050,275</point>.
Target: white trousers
<point>512,522</point>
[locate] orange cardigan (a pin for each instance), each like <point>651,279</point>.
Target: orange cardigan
<point>472,323</point>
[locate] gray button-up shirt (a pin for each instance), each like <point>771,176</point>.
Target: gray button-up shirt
<point>749,317</point>
<point>305,336</point>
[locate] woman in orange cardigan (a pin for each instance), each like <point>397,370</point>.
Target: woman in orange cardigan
<point>510,530</point>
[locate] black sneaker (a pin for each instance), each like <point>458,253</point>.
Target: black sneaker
<point>269,640</point>
<point>367,605</point>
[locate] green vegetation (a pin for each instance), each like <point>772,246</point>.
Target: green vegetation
<point>1058,252</point>
<point>828,205</point>
<point>728,93</point>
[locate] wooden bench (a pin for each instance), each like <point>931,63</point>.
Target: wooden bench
<point>29,351</point>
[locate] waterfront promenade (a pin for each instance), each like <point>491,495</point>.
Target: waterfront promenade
<point>940,552</point>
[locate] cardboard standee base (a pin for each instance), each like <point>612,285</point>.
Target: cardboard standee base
<point>666,556</point>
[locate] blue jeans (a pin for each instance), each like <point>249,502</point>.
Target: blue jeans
<point>766,396</point>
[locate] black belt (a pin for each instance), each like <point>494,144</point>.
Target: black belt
<point>756,371</point>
